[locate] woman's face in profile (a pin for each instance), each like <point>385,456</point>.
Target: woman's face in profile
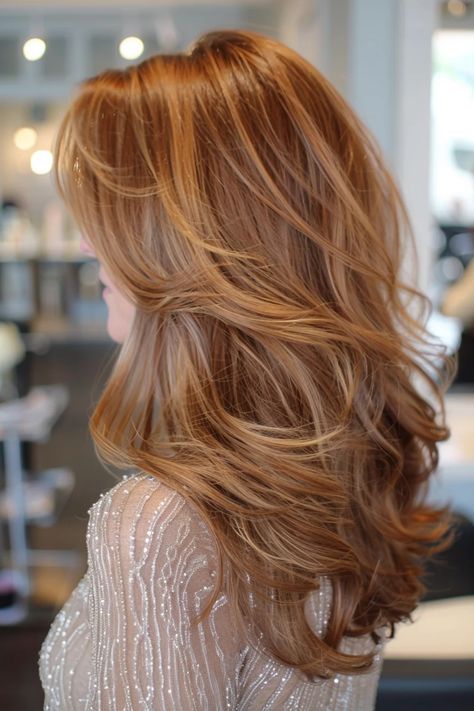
<point>120,310</point>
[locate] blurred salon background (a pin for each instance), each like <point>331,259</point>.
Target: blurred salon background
<point>407,67</point>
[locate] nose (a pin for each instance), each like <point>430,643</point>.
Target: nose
<point>85,247</point>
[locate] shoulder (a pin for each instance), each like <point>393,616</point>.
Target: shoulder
<point>130,496</point>
<point>141,515</point>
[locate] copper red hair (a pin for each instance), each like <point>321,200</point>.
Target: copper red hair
<point>275,373</point>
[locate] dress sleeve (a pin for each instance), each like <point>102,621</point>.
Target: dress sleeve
<point>152,562</point>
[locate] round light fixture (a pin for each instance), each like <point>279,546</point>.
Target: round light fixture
<point>25,138</point>
<point>131,47</point>
<point>457,8</point>
<point>41,162</point>
<point>34,48</point>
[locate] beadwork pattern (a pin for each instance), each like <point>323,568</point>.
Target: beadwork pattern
<point>123,640</point>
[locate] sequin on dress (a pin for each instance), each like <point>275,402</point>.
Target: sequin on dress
<point>123,642</point>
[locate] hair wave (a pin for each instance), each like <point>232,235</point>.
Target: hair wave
<point>275,373</point>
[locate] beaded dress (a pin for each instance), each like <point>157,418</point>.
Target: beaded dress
<point>123,640</point>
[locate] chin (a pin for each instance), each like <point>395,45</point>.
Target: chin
<point>120,315</point>
<point>116,332</point>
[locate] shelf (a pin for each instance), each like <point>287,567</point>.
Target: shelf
<point>61,330</point>
<point>45,494</point>
<point>12,256</point>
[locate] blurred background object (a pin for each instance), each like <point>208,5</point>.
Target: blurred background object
<point>12,351</point>
<point>407,67</point>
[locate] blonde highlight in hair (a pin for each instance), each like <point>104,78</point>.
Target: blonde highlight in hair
<point>273,374</point>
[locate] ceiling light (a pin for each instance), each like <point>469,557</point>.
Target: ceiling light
<point>131,47</point>
<point>34,48</point>
<point>41,162</point>
<point>25,138</point>
<point>457,8</point>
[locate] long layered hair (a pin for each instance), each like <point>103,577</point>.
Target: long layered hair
<point>274,374</point>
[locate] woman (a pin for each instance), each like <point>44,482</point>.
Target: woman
<point>271,529</point>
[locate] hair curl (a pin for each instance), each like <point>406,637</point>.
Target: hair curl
<point>275,373</point>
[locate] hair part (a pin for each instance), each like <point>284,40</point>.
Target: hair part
<point>274,374</point>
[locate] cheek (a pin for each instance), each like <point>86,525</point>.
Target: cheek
<point>120,318</point>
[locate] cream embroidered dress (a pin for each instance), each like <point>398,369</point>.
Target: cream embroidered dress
<point>123,640</point>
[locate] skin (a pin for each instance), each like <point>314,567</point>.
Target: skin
<point>120,311</point>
